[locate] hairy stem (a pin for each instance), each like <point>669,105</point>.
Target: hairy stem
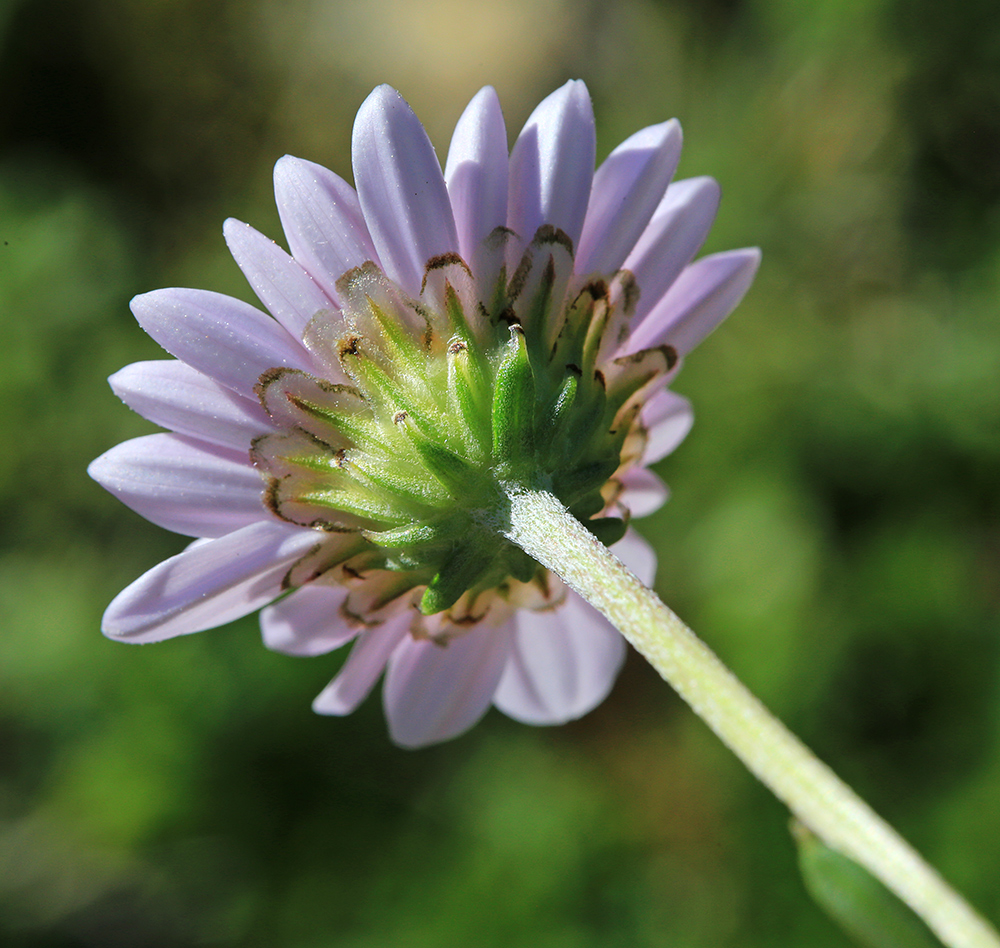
<point>543,528</point>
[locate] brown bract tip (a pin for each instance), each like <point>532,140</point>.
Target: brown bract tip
<point>596,289</point>
<point>628,286</point>
<point>268,377</point>
<point>497,237</point>
<point>441,262</point>
<point>350,347</point>
<point>271,499</point>
<point>547,234</point>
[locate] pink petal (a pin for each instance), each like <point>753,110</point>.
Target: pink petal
<point>401,188</point>
<point>564,661</point>
<point>434,692</point>
<point>362,668</point>
<point>322,220</point>
<point>175,396</point>
<point>226,339</point>
<point>307,622</point>
<point>183,485</point>
<point>563,664</point>
<point>476,172</point>
<point>703,295</point>
<point>643,492</point>
<point>636,553</point>
<point>209,584</point>
<point>281,284</point>
<point>627,189</point>
<point>668,418</point>
<point>552,165</point>
<point>678,228</point>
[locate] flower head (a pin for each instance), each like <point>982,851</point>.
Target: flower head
<point>433,342</point>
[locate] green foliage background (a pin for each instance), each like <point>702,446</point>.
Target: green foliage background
<point>834,531</point>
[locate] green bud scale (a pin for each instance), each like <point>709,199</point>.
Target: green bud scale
<point>444,406</point>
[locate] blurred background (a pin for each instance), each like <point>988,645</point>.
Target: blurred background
<point>834,531</point>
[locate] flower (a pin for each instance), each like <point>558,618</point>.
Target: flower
<point>432,339</point>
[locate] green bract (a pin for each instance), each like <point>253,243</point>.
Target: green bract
<point>452,402</point>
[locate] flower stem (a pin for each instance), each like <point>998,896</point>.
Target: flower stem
<point>542,527</point>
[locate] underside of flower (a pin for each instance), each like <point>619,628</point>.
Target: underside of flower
<point>437,347</point>
<point>449,402</point>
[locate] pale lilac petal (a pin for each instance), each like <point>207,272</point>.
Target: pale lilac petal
<point>401,188</point>
<point>668,418</point>
<point>552,165</point>
<point>183,485</point>
<point>565,660</point>
<point>281,284</point>
<point>227,339</point>
<point>308,622</point>
<point>643,492</point>
<point>434,692</point>
<point>677,229</point>
<point>172,394</point>
<point>362,668</point>
<point>476,172</point>
<point>636,553</point>
<point>563,664</point>
<point>321,216</point>
<point>208,584</point>
<point>703,295</point>
<point>628,188</point>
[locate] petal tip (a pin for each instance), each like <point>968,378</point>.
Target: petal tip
<point>141,302</point>
<point>96,468</point>
<point>286,169</point>
<point>381,99</point>
<point>576,87</point>
<point>232,224</point>
<point>320,706</point>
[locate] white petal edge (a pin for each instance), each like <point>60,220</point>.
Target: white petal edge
<point>701,298</point>
<point>175,396</point>
<point>226,339</point>
<point>209,584</point>
<point>401,188</point>
<point>435,692</point>
<point>627,189</point>
<point>363,667</point>
<point>552,164</point>
<point>322,219</point>
<point>476,173</point>
<point>307,622</point>
<point>281,283</point>
<point>183,485</point>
